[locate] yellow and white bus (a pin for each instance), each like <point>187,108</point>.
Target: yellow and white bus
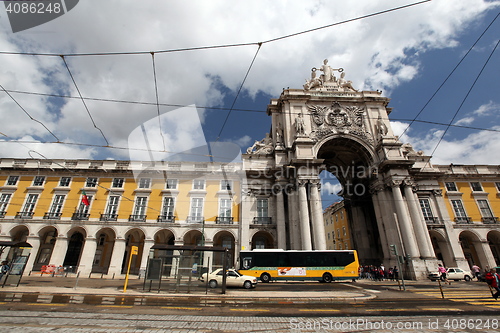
<point>275,264</point>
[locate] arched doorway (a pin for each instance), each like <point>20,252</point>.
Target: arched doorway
<point>262,240</point>
<point>47,240</point>
<point>350,161</point>
<point>75,246</point>
<point>134,237</point>
<point>224,239</point>
<point>104,249</point>
<point>493,238</point>
<point>168,256</point>
<point>468,241</point>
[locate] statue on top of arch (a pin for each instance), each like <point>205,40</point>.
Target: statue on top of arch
<point>327,80</point>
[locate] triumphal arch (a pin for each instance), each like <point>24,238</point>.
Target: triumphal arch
<point>329,125</point>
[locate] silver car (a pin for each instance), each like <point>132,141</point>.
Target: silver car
<point>452,273</point>
<point>233,279</point>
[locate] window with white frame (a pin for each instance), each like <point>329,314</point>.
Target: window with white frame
<point>83,208</point>
<point>198,184</point>
<point>4,202</point>
<point>168,206</point>
<point>262,207</point>
<point>117,182</point>
<point>344,232</point>
<point>112,207</point>
<point>57,204</point>
<point>144,182</point>
<point>64,182</point>
<point>476,186</point>
<point>451,186</point>
<point>38,180</point>
<point>12,180</point>
<point>425,206</point>
<point>485,209</point>
<point>140,206</point>
<point>91,182</point>
<point>171,184</point>
<point>29,205</point>
<point>459,210</point>
<point>196,213</point>
<point>226,185</point>
<point>225,209</point>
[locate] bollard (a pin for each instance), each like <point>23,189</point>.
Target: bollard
<point>76,283</point>
<point>441,288</point>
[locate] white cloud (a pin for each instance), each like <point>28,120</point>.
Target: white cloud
<point>380,52</point>
<point>465,121</point>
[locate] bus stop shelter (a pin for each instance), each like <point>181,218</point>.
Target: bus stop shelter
<point>181,266</point>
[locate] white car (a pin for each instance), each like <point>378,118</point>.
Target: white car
<point>233,279</point>
<point>453,273</point>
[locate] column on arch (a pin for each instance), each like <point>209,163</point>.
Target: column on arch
<point>305,228</point>
<point>115,265</point>
<point>88,254</point>
<point>404,222</point>
<point>294,220</point>
<point>148,244</point>
<point>59,251</point>
<point>34,241</point>
<point>421,233</point>
<point>280,218</point>
<point>317,217</point>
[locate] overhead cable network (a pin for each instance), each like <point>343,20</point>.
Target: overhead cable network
<point>465,98</point>
<point>449,75</point>
<point>83,101</point>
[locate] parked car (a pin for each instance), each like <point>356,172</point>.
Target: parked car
<point>452,273</point>
<point>233,279</point>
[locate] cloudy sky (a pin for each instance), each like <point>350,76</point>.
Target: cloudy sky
<point>213,47</point>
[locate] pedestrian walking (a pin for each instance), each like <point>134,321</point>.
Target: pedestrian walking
<point>442,270</point>
<point>493,280</point>
<point>476,271</point>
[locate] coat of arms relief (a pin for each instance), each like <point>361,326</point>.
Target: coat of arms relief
<point>338,119</point>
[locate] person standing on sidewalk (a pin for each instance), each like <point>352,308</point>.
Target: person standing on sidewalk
<point>493,279</point>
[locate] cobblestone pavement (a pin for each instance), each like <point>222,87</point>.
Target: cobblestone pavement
<point>108,322</point>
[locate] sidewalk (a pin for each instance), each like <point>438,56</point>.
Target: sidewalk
<point>46,289</point>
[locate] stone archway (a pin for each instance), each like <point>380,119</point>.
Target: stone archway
<point>74,251</point>
<point>47,238</point>
<point>134,237</point>
<point>104,250</point>
<point>262,240</point>
<point>472,252</point>
<point>493,238</point>
<point>227,240</point>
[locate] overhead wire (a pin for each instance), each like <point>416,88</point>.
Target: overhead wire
<point>27,113</point>
<point>83,101</point>
<point>451,73</point>
<point>465,98</point>
<point>157,101</point>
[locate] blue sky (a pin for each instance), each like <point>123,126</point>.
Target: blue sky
<point>406,53</point>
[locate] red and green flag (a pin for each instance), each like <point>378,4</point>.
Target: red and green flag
<point>85,199</point>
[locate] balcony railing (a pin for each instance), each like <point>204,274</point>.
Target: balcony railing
<point>24,215</point>
<point>463,219</point>
<point>432,219</point>
<point>491,219</point>
<point>52,216</point>
<point>166,219</point>
<point>137,218</point>
<point>224,220</point>
<point>195,219</point>
<point>109,217</point>
<point>262,220</point>
<point>80,216</point>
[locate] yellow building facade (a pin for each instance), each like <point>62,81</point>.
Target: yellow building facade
<point>337,233</point>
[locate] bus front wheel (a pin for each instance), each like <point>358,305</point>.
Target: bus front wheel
<point>265,277</point>
<point>327,278</point>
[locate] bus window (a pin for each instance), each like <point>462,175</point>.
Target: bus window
<point>247,263</point>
